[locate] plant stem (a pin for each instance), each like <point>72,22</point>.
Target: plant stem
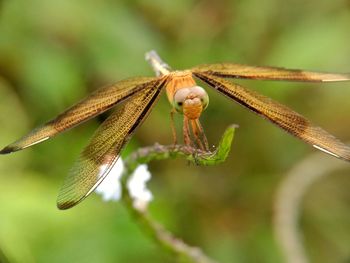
<point>156,231</point>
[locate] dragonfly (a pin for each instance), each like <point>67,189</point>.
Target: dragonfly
<point>138,96</point>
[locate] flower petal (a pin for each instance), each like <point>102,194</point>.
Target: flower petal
<point>137,187</point>
<point>110,188</point>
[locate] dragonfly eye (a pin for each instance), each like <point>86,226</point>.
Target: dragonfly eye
<point>179,99</point>
<point>205,101</point>
<point>192,94</point>
<point>200,93</point>
<point>178,106</point>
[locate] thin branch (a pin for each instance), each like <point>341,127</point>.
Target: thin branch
<point>155,230</point>
<point>289,198</point>
<point>163,237</point>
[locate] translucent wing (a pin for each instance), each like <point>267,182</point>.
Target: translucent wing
<point>280,115</point>
<point>96,103</point>
<point>100,155</point>
<point>239,71</point>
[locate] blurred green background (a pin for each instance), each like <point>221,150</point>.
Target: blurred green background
<point>52,53</point>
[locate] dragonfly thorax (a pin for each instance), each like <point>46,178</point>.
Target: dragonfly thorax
<point>191,101</point>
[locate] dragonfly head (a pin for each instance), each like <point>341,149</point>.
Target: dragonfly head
<point>191,101</point>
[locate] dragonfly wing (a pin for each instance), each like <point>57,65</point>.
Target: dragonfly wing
<point>98,158</point>
<point>240,71</point>
<point>96,103</point>
<point>281,116</point>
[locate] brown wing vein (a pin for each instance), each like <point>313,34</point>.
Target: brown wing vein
<point>96,103</point>
<point>280,115</point>
<point>240,71</point>
<point>98,158</point>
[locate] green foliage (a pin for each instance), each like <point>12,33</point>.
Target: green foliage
<point>52,53</point>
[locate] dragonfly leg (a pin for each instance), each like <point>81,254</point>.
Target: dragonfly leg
<point>172,123</point>
<point>196,135</point>
<point>186,132</point>
<point>202,134</point>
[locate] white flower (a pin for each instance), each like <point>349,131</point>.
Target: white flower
<point>110,188</point>
<point>138,189</point>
